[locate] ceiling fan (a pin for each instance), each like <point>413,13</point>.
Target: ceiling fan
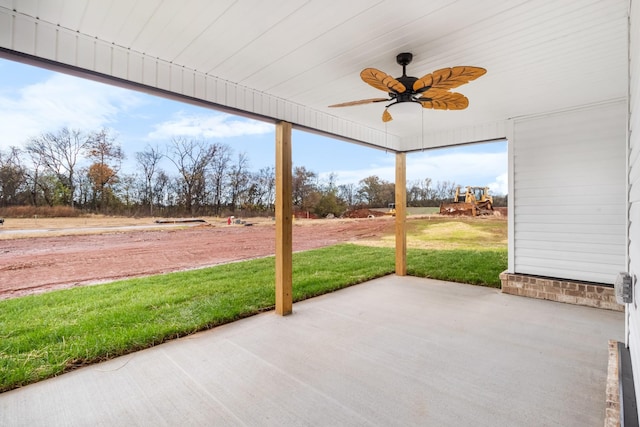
<point>431,90</point>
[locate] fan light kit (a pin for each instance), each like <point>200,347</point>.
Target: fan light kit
<point>403,111</point>
<point>429,91</point>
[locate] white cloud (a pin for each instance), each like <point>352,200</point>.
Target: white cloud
<point>475,168</point>
<point>353,176</point>
<point>500,186</point>
<point>58,102</point>
<point>209,126</point>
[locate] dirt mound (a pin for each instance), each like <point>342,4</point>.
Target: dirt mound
<point>362,213</point>
<point>503,211</point>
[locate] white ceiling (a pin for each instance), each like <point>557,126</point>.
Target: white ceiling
<point>290,59</point>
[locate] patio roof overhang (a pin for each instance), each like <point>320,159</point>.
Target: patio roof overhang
<point>289,61</point>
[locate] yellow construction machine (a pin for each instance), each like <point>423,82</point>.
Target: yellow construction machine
<point>474,201</point>
<point>392,209</point>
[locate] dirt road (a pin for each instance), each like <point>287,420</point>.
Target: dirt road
<point>33,265</point>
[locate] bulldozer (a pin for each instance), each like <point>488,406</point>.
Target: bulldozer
<point>392,210</point>
<point>474,201</point>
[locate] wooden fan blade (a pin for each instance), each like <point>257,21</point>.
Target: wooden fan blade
<point>386,116</point>
<point>448,78</point>
<point>443,100</point>
<point>381,80</point>
<point>362,101</point>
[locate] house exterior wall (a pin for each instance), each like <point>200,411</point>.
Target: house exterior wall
<point>569,194</point>
<point>634,189</point>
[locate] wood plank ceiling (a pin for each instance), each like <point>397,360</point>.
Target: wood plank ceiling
<point>290,59</point>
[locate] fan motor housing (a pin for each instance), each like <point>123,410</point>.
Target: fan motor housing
<point>404,58</point>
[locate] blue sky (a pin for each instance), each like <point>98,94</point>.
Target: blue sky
<point>35,100</point>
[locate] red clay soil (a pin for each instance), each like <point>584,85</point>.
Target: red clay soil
<point>34,265</point>
<point>503,211</point>
<point>363,213</point>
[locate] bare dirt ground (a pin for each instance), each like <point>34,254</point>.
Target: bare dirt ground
<point>63,256</point>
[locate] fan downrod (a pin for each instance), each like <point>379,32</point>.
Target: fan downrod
<point>404,59</point>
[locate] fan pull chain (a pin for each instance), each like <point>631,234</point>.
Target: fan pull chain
<point>386,138</point>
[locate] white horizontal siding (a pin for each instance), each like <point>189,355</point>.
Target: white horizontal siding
<point>570,208</point>
<point>634,189</point>
<point>570,259</point>
<point>567,248</point>
<point>549,231</point>
<point>531,238</point>
<point>541,198</point>
<point>569,193</point>
<point>578,220</point>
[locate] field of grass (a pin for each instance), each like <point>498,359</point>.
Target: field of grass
<point>459,233</point>
<point>475,267</point>
<point>48,334</point>
<point>447,233</point>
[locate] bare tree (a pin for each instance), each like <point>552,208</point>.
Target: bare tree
<point>192,159</point>
<point>161,189</point>
<point>420,193</point>
<point>33,177</point>
<point>444,190</point>
<point>238,180</point>
<point>219,168</point>
<point>376,192</point>
<point>129,191</point>
<point>59,153</point>
<point>266,181</point>
<point>84,187</point>
<point>107,156</point>
<point>12,178</point>
<point>328,199</point>
<point>330,184</point>
<point>304,184</point>
<point>43,185</point>
<point>427,190</point>
<point>148,161</point>
<point>347,192</point>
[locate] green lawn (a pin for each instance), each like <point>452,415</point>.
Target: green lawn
<point>450,233</point>
<point>476,267</point>
<point>47,334</point>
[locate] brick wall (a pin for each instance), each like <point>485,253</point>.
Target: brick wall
<point>588,294</point>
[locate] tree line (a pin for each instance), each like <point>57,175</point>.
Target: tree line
<point>82,170</point>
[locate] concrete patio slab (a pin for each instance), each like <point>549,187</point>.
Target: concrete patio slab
<point>396,351</point>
